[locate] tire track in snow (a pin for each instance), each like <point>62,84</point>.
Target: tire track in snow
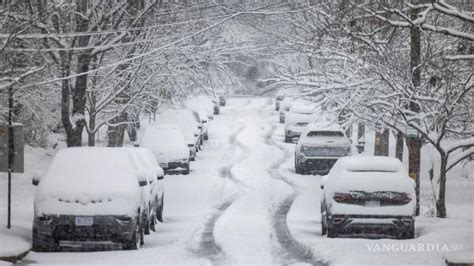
<point>207,244</point>
<point>293,249</point>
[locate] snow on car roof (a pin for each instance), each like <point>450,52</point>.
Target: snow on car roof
<point>166,141</point>
<point>370,164</point>
<point>303,107</point>
<point>101,170</point>
<point>323,126</point>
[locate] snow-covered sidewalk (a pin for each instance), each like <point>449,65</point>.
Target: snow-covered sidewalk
<point>15,243</point>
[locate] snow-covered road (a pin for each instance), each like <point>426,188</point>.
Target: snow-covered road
<point>242,204</point>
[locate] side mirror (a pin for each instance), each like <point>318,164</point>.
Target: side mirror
<point>142,180</point>
<point>323,181</point>
<point>160,177</point>
<point>36,178</point>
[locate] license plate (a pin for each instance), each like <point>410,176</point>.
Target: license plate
<point>163,165</point>
<point>372,203</point>
<point>84,221</point>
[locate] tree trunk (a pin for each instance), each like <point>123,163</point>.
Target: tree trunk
<point>91,135</point>
<point>381,143</point>
<point>441,201</point>
<point>399,145</point>
<point>116,132</point>
<point>414,143</point>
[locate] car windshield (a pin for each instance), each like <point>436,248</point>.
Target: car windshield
<point>326,151</point>
<point>325,134</point>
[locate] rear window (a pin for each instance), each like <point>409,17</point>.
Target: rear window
<point>325,134</point>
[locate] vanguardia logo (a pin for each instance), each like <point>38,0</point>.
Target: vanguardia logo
<point>414,247</point>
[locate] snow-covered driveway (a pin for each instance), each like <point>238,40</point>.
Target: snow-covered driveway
<point>243,204</point>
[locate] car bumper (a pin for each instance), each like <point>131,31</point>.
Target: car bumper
<point>105,230</point>
<point>371,224</point>
<point>320,166</point>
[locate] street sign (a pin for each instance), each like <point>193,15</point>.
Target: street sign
<point>18,148</point>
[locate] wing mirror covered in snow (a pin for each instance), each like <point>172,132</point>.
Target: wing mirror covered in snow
<point>323,181</point>
<point>142,180</point>
<point>36,178</point>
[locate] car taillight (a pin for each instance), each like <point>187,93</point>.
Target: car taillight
<point>343,197</point>
<point>123,220</point>
<point>400,199</point>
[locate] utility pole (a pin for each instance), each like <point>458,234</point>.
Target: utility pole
<point>11,153</point>
<point>414,143</point>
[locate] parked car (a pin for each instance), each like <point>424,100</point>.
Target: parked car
<point>145,161</point>
<point>89,197</point>
<point>368,196</point>
<point>222,100</point>
<point>200,122</point>
<point>285,106</point>
<point>201,102</point>
<point>185,120</point>
<point>201,116</point>
<point>301,114</point>
<point>319,147</point>
<point>278,99</point>
<point>217,107</point>
<point>169,146</point>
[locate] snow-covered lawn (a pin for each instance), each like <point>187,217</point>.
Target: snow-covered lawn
<point>243,204</point>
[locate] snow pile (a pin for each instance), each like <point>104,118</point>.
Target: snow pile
<point>89,181</point>
<point>14,242</point>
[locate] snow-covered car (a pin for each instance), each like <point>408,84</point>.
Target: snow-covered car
<point>278,99</point>
<point>169,146</point>
<point>222,100</point>
<point>197,118</point>
<point>146,162</point>
<point>285,106</point>
<point>368,196</point>
<point>201,102</point>
<point>89,197</point>
<point>201,117</point>
<point>185,120</point>
<point>319,147</point>
<point>217,107</point>
<point>301,114</point>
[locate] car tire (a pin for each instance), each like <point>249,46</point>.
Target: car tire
<point>146,225</point>
<point>408,234</point>
<point>331,231</point>
<point>324,221</point>
<point>206,137</point>
<point>287,139</point>
<point>159,213</point>
<point>136,240</point>
<point>186,170</point>
<point>43,243</point>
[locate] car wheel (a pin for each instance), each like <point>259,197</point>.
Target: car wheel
<point>136,240</point>
<point>408,234</point>
<point>287,139</point>
<point>43,243</point>
<point>153,223</point>
<point>186,170</point>
<point>159,213</point>
<point>206,137</point>
<point>324,219</point>
<point>331,231</point>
